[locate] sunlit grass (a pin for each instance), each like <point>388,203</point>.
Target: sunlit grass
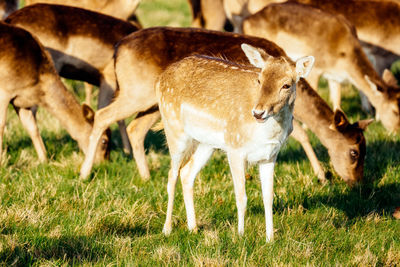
<point>49,217</point>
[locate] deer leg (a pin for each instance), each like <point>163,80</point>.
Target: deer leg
<point>301,136</point>
<point>267,186</point>
<point>137,131</point>
<point>88,93</point>
<point>4,100</point>
<point>28,120</point>
<point>120,109</point>
<point>177,146</point>
<point>334,93</point>
<point>237,165</point>
<point>106,94</point>
<point>188,175</point>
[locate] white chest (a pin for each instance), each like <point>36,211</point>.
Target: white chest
<point>263,140</point>
<point>268,138</point>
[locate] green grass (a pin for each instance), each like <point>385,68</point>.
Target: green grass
<point>49,217</point>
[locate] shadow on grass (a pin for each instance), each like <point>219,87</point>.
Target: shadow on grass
<point>72,249</point>
<point>114,226</point>
<point>296,153</point>
<point>359,201</point>
<point>55,146</point>
<point>356,203</point>
<point>381,155</point>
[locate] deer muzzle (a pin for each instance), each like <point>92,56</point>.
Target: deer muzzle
<point>260,115</point>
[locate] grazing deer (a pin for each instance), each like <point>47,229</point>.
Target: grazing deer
<point>7,7</point>
<point>81,43</point>
<point>28,79</point>
<point>122,9</point>
<point>212,103</point>
<point>339,55</point>
<point>142,56</point>
<point>376,22</point>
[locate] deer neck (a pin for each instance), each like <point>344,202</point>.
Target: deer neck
<point>63,105</point>
<point>313,111</point>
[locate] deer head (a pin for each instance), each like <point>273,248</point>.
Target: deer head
<point>103,149</point>
<point>275,75</point>
<point>348,155</point>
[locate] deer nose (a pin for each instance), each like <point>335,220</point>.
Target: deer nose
<point>259,114</point>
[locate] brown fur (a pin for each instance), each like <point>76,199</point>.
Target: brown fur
<point>223,84</point>
<point>122,9</point>
<point>377,22</point>
<point>318,116</point>
<point>28,79</point>
<point>81,43</point>
<point>141,56</point>
<point>58,28</point>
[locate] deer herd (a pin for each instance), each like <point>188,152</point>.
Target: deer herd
<point>244,92</point>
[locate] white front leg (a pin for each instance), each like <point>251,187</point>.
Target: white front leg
<point>188,174</point>
<point>267,186</point>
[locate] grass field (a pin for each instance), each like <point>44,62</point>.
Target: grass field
<point>49,217</point>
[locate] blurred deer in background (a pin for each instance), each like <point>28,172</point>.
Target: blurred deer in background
<point>28,79</point>
<point>210,103</point>
<point>81,43</point>
<point>122,9</point>
<point>377,24</point>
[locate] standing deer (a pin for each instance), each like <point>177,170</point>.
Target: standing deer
<point>81,43</point>
<point>142,56</point>
<point>211,103</point>
<point>339,55</point>
<point>28,79</point>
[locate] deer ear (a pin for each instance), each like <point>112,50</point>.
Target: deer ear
<point>256,56</point>
<point>363,124</point>
<point>304,66</point>
<point>389,78</point>
<point>88,113</point>
<point>340,121</point>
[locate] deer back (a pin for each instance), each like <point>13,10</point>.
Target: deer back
<point>78,39</point>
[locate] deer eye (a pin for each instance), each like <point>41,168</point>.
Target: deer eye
<point>258,80</point>
<point>286,86</point>
<point>353,154</point>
